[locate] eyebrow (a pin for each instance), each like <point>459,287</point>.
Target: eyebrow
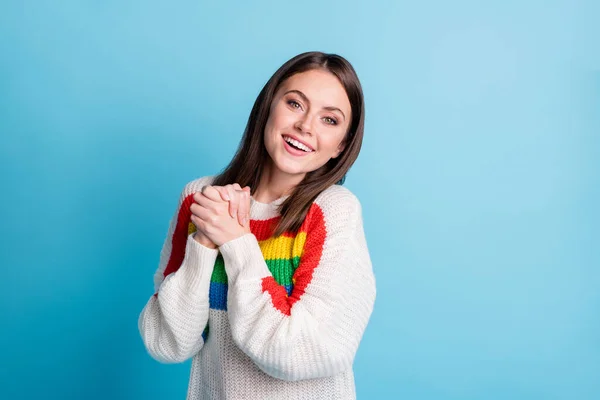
<point>329,108</point>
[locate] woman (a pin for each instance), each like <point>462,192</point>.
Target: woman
<point>265,279</point>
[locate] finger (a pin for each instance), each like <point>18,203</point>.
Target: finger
<point>234,203</point>
<point>199,217</point>
<point>199,211</point>
<point>237,186</point>
<point>204,226</point>
<point>212,193</point>
<point>204,201</point>
<point>244,208</point>
<point>223,192</point>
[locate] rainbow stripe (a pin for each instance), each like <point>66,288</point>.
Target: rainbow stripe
<point>291,258</point>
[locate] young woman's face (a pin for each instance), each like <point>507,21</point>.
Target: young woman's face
<point>308,120</point>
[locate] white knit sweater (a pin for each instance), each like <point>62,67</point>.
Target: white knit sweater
<point>263,317</point>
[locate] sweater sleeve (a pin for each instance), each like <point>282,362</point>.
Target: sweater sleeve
<point>174,318</point>
<point>315,331</point>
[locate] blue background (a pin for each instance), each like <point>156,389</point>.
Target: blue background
<point>479,179</point>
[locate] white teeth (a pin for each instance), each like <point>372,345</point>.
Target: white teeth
<point>297,144</point>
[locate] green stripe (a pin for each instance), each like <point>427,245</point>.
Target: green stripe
<point>219,274</point>
<point>281,269</point>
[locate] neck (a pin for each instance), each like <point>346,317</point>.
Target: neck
<point>275,184</point>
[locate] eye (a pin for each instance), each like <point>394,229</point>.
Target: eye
<point>330,121</point>
<point>294,104</point>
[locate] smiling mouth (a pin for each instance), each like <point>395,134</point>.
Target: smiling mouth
<point>297,145</point>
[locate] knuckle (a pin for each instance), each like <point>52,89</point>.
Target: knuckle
<point>209,189</point>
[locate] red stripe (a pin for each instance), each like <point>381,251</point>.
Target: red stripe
<point>314,226</point>
<point>278,295</point>
<point>264,229</point>
<point>179,238</point>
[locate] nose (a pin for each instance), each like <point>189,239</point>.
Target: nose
<point>304,124</point>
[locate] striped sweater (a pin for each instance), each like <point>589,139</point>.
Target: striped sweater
<point>264,317</point>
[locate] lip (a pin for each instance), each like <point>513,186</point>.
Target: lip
<point>293,151</point>
<point>301,141</point>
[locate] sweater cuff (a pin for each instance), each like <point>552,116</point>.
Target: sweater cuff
<point>243,256</point>
<point>198,264</point>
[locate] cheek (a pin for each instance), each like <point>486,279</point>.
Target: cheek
<point>282,118</point>
<point>271,128</point>
<point>330,145</point>
<point>268,127</point>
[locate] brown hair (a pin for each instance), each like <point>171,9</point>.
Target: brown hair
<point>248,164</point>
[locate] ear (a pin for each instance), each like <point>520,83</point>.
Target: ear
<point>339,150</point>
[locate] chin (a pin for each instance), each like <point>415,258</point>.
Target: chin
<point>290,167</point>
<point>291,170</point>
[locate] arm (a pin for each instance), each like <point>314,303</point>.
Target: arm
<point>315,332</point>
<point>172,322</point>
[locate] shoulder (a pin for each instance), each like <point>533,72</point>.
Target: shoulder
<point>337,198</point>
<point>336,208</point>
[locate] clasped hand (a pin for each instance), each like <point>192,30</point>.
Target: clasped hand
<point>221,214</point>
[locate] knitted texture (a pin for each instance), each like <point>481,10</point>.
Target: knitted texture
<point>264,317</point>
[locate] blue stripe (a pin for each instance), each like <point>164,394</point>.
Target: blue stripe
<point>217,296</point>
<point>288,289</point>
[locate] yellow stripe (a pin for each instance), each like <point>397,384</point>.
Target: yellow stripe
<point>299,244</point>
<point>276,248</point>
<point>280,248</point>
<point>191,228</point>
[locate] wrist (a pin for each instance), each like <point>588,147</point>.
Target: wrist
<point>234,237</point>
<point>203,240</point>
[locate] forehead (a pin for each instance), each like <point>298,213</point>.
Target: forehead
<point>321,87</point>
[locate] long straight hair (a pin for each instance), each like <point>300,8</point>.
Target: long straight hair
<point>248,164</point>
